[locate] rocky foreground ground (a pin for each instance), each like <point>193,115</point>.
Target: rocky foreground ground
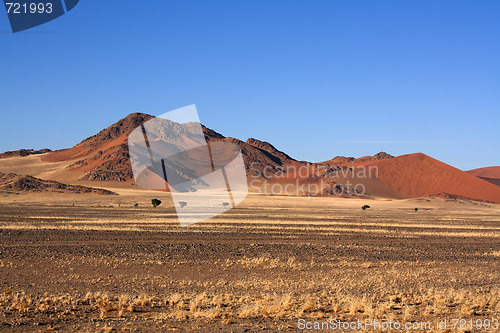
<point>257,268</point>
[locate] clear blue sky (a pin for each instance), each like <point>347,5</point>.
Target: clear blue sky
<point>315,78</point>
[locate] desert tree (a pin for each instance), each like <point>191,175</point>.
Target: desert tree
<point>155,202</point>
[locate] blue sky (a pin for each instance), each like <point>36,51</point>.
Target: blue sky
<point>315,78</point>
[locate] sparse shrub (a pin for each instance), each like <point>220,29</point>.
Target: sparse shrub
<point>416,209</point>
<point>155,202</point>
<point>364,207</point>
<point>225,204</point>
<point>183,203</point>
<point>136,205</point>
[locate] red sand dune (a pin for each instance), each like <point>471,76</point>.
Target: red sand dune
<point>488,172</point>
<point>418,175</point>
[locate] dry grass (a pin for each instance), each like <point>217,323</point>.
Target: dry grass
<point>494,253</point>
<point>395,304</point>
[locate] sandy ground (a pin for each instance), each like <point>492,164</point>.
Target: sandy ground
<point>76,262</point>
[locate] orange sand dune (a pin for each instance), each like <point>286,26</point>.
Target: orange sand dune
<point>418,175</point>
<point>488,172</point>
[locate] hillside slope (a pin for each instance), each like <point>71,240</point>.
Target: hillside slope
<point>418,175</point>
<point>14,183</point>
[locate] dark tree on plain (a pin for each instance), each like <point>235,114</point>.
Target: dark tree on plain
<point>155,202</point>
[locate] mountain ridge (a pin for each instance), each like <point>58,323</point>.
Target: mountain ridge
<point>105,157</point>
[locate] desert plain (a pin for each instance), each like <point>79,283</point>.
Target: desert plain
<point>102,263</point>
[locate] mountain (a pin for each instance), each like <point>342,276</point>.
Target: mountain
<point>259,155</point>
<point>490,174</point>
<point>105,157</point>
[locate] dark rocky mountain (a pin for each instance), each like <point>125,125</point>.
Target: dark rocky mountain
<point>14,183</point>
<point>340,160</point>
<point>23,153</point>
<point>381,156</point>
<point>105,156</point>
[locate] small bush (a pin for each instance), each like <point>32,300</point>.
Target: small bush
<point>225,204</point>
<point>136,205</point>
<point>364,207</point>
<point>155,202</point>
<point>416,209</point>
<point>183,203</point>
